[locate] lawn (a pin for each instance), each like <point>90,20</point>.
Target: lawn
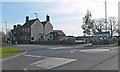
<point>6,50</point>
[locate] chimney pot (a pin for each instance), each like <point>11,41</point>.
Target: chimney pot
<point>27,18</point>
<point>47,18</point>
<point>14,26</point>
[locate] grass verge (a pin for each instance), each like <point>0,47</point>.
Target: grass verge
<point>6,50</point>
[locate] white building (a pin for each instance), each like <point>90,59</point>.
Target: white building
<point>32,31</point>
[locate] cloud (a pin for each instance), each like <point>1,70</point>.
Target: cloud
<point>73,18</point>
<point>66,8</point>
<point>97,7</point>
<point>67,14</point>
<point>28,0</point>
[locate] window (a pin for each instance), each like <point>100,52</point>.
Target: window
<point>42,37</point>
<point>25,37</point>
<point>50,36</point>
<point>28,30</point>
<point>32,38</point>
<point>22,29</point>
<point>14,32</point>
<point>25,29</point>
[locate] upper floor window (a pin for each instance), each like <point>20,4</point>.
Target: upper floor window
<point>22,29</point>
<point>28,29</point>
<point>25,30</point>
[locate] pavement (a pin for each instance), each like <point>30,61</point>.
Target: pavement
<point>63,57</point>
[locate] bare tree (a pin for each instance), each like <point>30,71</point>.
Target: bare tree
<point>112,25</point>
<point>99,24</point>
<point>91,26</point>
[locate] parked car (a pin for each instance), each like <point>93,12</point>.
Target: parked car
<point>68,40</point>
<point>80,40</point>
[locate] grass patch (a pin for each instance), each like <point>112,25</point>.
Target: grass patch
<point>6,50</point>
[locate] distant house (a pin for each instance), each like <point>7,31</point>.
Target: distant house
<point>32,30</point>
<point>15,35</point>
<point>56,35</point>
<point>102,37</point>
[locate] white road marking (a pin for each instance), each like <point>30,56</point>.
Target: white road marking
<point>66,47</point>
<point>95,50</point>
<point>112,51</point>
<point>73,50</point>
<point>60,47</point>
<point>51,62</point>
<point>25,69</point>
<point>32,55</point>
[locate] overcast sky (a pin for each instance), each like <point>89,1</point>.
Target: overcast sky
<point>65,15</point>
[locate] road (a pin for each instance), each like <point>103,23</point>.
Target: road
<point>63,57</point>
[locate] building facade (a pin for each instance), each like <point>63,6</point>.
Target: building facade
<point>56,35</point>
<point>31,31</point>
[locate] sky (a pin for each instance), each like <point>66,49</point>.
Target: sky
<point>65,15</point>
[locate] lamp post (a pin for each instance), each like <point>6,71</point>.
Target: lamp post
<point>106,14</point>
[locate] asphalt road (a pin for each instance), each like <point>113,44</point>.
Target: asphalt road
<point>63,57</point>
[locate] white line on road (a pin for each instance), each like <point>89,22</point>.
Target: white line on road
<point>74,47</point>
<point>25,69</point>
<point>51,62</point>
<point>73,50</point>
<point>113,51</point>
<point>95,50</point>
<point>60,47</point>
<point>32,55</point>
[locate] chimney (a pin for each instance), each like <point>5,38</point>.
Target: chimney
<point>47,18</point>
<point>27,18</point>
<point>14,26</point>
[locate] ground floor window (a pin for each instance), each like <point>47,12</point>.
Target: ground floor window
<point>42,37</point>
<point>32,38</point>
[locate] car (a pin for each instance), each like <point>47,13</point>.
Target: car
<point>68,40</point>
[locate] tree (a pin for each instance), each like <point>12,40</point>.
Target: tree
<point>99,24</point>
<point>91,26</point>
<point>112,25</point>
<point>87,24</point>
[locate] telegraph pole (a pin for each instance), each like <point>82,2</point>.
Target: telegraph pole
<point>106,14</point>
<point>6,27</point>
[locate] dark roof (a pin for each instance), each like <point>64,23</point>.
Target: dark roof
<point>44,22</point>
<point>59,32</point>
<point>29,23</point>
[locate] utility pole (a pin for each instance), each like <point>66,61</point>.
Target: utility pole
<point>6,27</point>
<point>36,15</point>
<point>106,14</point>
